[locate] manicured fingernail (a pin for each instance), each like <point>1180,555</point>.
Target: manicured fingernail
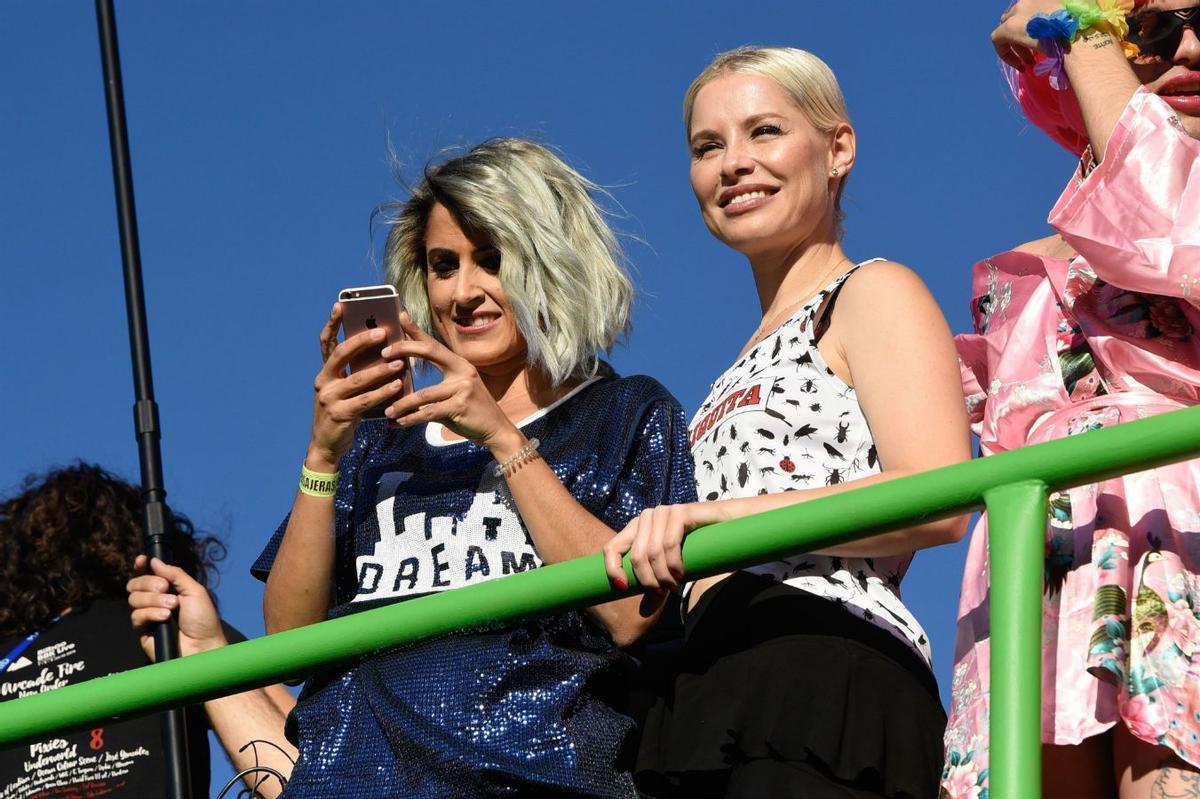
<point>397,365</point>
<point>386,351</point>
<point>377,334</point>
<point>622,582</point>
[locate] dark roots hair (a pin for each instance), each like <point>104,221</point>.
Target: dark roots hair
<point>72,535</point>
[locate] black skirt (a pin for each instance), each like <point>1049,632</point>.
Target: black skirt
<point>780,693</point>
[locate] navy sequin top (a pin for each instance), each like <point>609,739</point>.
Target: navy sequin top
<point>521,710</point>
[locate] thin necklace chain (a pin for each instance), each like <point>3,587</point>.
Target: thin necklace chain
<point>769,323</point>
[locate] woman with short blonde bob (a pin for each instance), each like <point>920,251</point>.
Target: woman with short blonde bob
<point>529,451</point>
<point>805,677</point>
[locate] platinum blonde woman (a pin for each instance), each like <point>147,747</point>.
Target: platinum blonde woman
<point>528,451</point>
<point>807,677</point>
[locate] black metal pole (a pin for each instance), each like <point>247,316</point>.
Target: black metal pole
<point>145,410</point>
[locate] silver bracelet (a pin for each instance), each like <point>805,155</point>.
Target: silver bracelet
<point>525,453</point>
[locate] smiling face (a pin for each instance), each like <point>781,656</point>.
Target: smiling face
<point>761,171</point>
<point>471,312</point>
<point>1175,78</point>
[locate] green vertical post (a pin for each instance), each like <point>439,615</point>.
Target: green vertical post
<point>1016,546</point>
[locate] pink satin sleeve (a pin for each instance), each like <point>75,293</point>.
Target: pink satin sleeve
<point>1136,217</point>
<point>972,365</point>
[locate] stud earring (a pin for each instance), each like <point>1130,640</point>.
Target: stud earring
<point>834,172</point>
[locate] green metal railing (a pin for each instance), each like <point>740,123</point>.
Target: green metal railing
<point>1013,486</point>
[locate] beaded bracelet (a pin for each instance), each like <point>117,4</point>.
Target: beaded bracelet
<point>318,484</point>
<point>525,453</point>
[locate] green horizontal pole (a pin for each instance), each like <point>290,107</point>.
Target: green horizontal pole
<point>1016,546</point>
<point>809,526</point>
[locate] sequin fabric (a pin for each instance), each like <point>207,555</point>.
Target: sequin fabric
<point>523,710</point>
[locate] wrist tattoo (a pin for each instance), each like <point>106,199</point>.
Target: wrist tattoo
<point>1097,39</point>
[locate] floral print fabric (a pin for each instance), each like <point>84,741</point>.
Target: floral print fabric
<point>1061,348</point>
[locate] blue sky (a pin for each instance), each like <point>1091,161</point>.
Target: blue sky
<point>260,135</point>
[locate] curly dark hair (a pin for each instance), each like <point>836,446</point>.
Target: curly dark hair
<point>71,536</point>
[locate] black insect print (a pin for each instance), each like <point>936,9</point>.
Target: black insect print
<point>732,433</point>
<point>843,430</point>
<point>899,619</point>
<point>872,456</point>
<point>868,615</point>
<point>804,431</point>
<point>766,451</point>
<point>766,433</point>
<point>815,407</point>
<point>793,341</point>
<point>722,452</point>
<point>763,491</point>
<point>764,471</point>
<point>724,485</point>
<point>808,386</point>
<point>861,576</point>
<point>833,578</point>
<point>712,496</point>
<point>743,473</point>
<point>835,476</point>
<point>777,389</point>
<point>774,414</point>
<point>785,439</point>
<point>805,358</point>
<point>709,466</point>
<point>832,451</point>
<point>802,478</point>
<point>778,346</point>
<point>828,371</point>
<point>753,353</point>
<point>808,456</point>
<point>744,448</point>
<point>793,403</point>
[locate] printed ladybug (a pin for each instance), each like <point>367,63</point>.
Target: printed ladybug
<point>787,464</point>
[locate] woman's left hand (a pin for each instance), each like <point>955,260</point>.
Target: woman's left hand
<point>461,401</point>
<point>654,541</point>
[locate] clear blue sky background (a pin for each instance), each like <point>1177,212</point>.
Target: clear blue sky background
<point>260,136</point>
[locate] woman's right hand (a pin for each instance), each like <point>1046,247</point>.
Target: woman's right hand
<point>340,399</point>
<point>1014,46</point>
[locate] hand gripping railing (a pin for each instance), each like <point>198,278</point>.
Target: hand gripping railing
<point>1012,485</point>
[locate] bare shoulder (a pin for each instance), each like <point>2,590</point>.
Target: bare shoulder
<point>884,298</point>
<point>1052,246</point>
<point>882,284</point>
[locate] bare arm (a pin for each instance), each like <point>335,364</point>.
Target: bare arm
<point>237,719</point>
<point>1100,75</point>
<point>1103,83</point>
<point>894,341</point>
<point>563,529</point>
<point>300,584</point>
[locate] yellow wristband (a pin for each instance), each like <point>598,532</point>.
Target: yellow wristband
<point>317,484</point>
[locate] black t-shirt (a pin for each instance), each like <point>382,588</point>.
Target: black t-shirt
<point>117,760</point>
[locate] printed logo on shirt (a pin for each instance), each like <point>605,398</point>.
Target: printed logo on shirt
<point>59,651</point>
<point>19,664</point>
<point>736,402</point>
<point>425,552</point>
<point>61,769</point>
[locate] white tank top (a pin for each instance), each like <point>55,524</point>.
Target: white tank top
<point>780,420</point>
